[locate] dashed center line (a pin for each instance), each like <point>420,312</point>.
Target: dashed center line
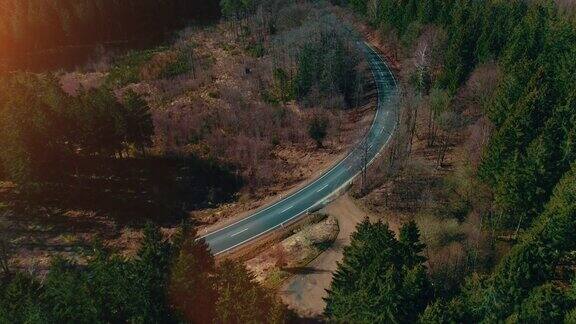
<point>287,209</point>
<point>242,231</point>
<point>385,85</point>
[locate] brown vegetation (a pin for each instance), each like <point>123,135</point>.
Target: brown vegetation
<point>214,111</point>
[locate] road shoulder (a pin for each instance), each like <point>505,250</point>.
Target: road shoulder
<point>304,292</point>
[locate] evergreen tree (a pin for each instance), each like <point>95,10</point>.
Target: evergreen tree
<point>242,300</point>
<point>374,284</point>
<point>191,290</point>
<point>19,300</point>
<point>413,247</point>
<point>139,126</point>
<point>165,283</point>
<point>441,312</point>
<point>544,304</point>
<point>318,129</point>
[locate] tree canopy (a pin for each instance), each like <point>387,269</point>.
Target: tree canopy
<point>32,25</point>
<point>44,130</point>
<point>529,160</point>
<point>168,282</point>
<point>381,279</point>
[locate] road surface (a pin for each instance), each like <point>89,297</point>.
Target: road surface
<point>318,192</point>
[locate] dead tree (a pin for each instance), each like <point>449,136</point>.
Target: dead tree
<point>364,161</point>
<point>422,65</point>
<point>5,249</point>
<point>190,57</point>
<point>448,122</point>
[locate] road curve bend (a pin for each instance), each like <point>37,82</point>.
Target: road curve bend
<point>315,195</point>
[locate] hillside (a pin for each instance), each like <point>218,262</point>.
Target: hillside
<point>110,173</point>
<point>40,35</point>
<point>201,130</point>
<point>483,164</point>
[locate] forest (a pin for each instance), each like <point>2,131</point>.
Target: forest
<point>155,139</point>
<point>102,147</point>
<point>32,25</point>
<point>89,151</point>
<point>110,289</point>
<point>528,163</point>
<point>149,155</point>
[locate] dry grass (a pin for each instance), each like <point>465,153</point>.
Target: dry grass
<point>273,266</point>
<point>213,111</point>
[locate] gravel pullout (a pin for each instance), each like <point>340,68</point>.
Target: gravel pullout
<point>305,290</point>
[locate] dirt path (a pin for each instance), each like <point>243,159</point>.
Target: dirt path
<point>305,290</point>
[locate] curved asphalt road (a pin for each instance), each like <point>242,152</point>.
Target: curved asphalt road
<point>314,195</point>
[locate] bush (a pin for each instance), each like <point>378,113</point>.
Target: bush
<point>256,50</point>
<point>128,69</point>
<point>181,65</point>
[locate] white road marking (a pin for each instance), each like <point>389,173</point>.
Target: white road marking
<point>323,188</point>
<point>384,97</point>
<point>287,209</point>
<point>242,231</point>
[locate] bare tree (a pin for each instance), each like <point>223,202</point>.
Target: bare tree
<point>422,64</point>
<point>5,248</point>
<point>364,160</point>
<point>4,255</point>
<point>408,118</point>
<point>481,86</point>
<point>189,51</point>
<point>373,10</point>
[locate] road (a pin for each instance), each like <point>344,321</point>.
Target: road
<point>318,192</point>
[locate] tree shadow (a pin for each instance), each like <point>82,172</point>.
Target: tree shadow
<point>129,191</point>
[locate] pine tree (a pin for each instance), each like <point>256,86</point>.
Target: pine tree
<point>545,304</point>
<point>241,299</point>
<point>318,129</point>
<point>410,241</point>
<point>138,121</point>
<point>374,284</point>
<point>191,290</point>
